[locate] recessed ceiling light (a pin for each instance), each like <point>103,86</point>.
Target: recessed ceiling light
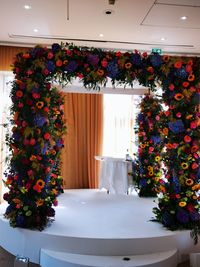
<point>101,35</point>
<point>162,38</point>
<point>35,30</point>
<point>183,18</point>
<point>27,7</point>
<point>108,12</point>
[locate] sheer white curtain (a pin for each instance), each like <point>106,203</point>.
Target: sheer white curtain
<point>119,121</point>
<point>5,102</point>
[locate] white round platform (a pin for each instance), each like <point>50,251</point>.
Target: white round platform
<point>91,222</point>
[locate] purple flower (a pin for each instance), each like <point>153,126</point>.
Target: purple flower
<point>141,117</point>
<point>167,219</point>
<point>182,216</point>
<point>16,136</point>
<point>195,216</point>
<point>181,73</point>
<point>93,59</point>
<point>39,120</point>
<point>71,66</point>
<point>136,59</point>
<point>59,143</point>
<point>143,182</point>
<point>56,48</point>
<point>50,212</point>
<point>176,126</point>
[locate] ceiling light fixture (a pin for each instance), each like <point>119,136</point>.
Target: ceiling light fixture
<point>101,35</point>
<point>27,7</point>
<point>183,17</point>
<point>35,30</point>
<point>162,38</point>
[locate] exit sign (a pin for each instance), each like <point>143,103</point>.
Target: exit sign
<point>156,50</point>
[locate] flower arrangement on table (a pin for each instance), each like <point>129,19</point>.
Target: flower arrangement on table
<point>150,145</point>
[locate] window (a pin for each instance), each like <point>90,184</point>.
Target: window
<point>119,121</point>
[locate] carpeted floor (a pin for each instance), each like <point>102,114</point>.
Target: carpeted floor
<point>7,260</point>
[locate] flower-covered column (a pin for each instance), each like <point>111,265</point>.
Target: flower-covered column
<point>149,180</point>
<point>179,207</point>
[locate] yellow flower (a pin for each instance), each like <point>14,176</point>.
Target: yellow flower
<point>39,202</point>
<point>150,173</point>
<point>40,104</point>
<point>157,158</point>
<point>182,204</point>
<point>184,166</point>
<point>149,168</point>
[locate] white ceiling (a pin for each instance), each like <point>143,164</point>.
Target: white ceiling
<point>133,24</point>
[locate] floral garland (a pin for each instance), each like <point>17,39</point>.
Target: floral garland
<point>149,180</point>
<point>37,126</point>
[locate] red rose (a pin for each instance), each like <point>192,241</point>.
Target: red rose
<point>47,136</point>
<point>187,139</point>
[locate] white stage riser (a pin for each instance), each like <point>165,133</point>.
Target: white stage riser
<point>59,259</point>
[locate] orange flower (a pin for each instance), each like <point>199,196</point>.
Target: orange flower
<point>100,72</point>
<point>169,146</point>
<point>178,64</point>
<point>32,158</point>
<point>150,69</point>
<point>128,65</point>
<point>19,93</point>
<point>189,182</point>
<point>182,204</point>
<point>39,104</point>
<point>166,58</point>
<point>39,202</point>
<point>40,183</point>
<point>59,63</point>
<point>191,77</point>
<point>37,188</point>
<point>165,131</point>
<point>179,96</point>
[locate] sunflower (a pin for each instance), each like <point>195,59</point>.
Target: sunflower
<point>100,72</point>
<point>150,173</point>
<point>149,168</point>
<point>40,104</point>
<point>189,182</point>
<point>128,65</point>
<point>40,183</point>
<point>182,204</point>
<point>184,166</point>
<point>157,158</point>
<point>179,96</point>
<point>191,77</point>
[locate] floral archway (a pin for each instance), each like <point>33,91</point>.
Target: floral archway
<point>36,140</point>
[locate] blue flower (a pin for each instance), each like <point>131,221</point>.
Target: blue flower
<point>167,219</point>
<point>50,66</point>
<point>156,60</point>
<point>181,73</point>
<point>156,139</point>
<point>143,182</point>
<point>141,117</point>
<point>9,209</point>
<point>112,69</point>
<point>176,126</point>
<point>59,143</point>
<point>20,221</point>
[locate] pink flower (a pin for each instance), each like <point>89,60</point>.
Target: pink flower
<point>50,55</point>
<point>35,95</point>
<point>151,149</point>
<point>47,136</point>
<point>193,125</point>
<point>26,142</point>
<point>32,141</point>
<point>30,172</point>
<point>20,105</point>
<point>171,87</point>
<point>55,203</point>
<point>104,63</point>
<point>157,117</point>
<point>178,115</point>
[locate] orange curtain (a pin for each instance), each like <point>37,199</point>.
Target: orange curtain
<point>83,140</point>
<point>7,54</point>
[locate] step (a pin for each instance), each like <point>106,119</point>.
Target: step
<point>49,258</point>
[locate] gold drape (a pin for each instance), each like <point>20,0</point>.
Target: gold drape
<point>84,118</point>
<point>7,54</point>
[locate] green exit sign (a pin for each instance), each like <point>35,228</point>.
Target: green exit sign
<point>156,50</point>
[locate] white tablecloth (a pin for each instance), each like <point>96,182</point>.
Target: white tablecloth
<point>114,174</point>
